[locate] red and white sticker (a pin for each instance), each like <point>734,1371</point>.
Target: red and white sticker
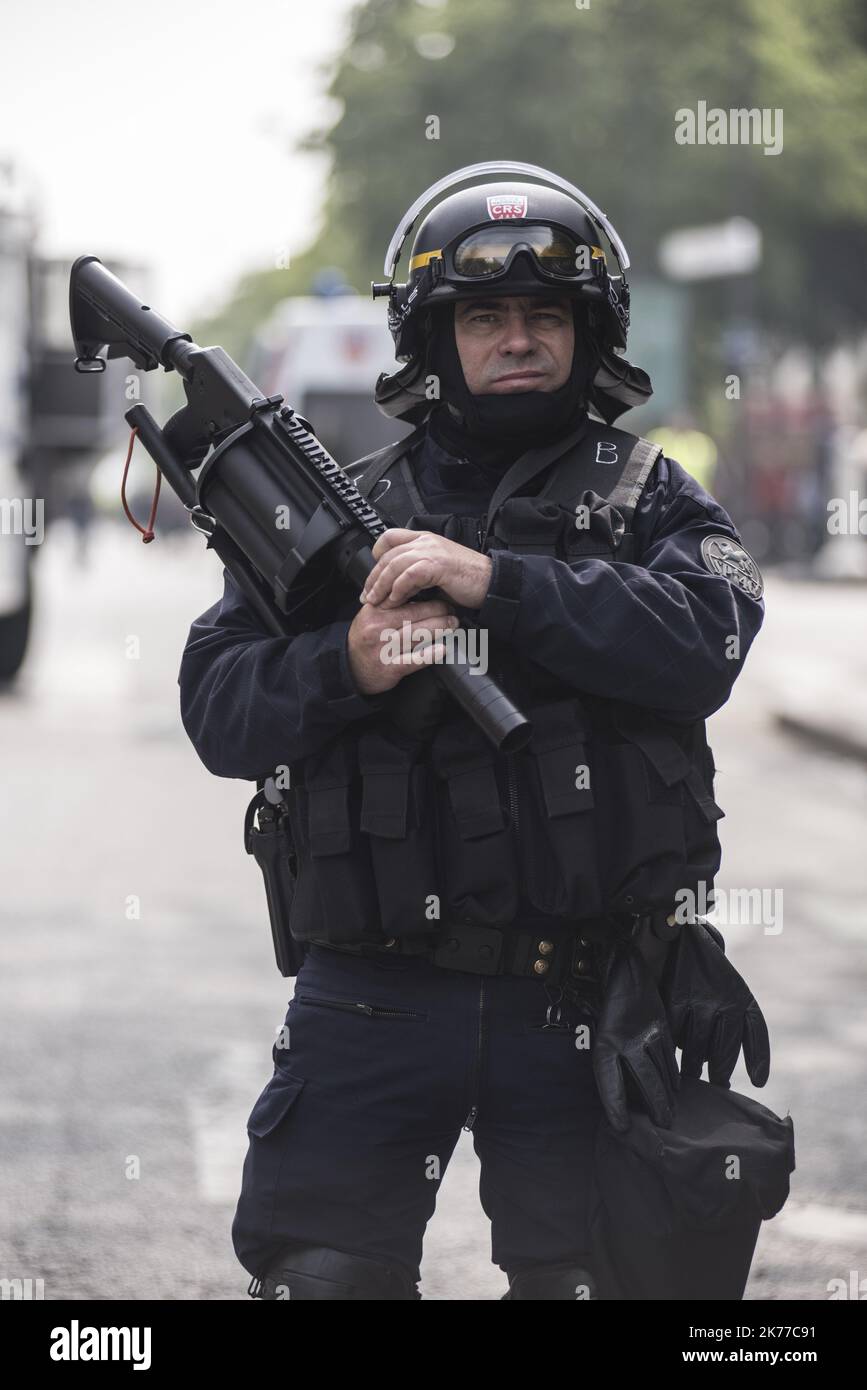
<point>505,205</point>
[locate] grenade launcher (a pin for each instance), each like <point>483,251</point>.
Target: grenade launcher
<point>257,461</point>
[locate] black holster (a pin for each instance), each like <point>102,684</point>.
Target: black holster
<point>270,843</point>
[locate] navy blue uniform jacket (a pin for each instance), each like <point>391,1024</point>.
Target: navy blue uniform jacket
<point>665,632</point>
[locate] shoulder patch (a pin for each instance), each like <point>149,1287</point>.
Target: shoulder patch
<point>724,556</point>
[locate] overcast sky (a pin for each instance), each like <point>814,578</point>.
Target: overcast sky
<point>162,132</point>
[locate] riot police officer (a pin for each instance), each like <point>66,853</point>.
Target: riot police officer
<point>493,941</point>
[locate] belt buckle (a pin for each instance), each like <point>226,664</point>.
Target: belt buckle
<point>477,950</point>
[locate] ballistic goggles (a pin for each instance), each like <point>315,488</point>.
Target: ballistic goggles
<point>487,254</point>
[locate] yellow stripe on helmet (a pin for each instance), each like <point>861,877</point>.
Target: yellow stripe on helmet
<point>422,259</point>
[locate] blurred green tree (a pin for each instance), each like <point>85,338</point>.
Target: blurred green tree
<point>592,93</point>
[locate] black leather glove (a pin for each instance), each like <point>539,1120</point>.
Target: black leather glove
<point>632,1046</point>
<point>711,1011</point>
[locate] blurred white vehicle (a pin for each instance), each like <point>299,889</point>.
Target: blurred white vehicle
<point>53,420</point>
<point>17,226</point>
<point>323,355</point>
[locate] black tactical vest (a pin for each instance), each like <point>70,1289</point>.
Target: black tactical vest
<point>608,811</point>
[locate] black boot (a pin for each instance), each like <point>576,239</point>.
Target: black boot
<point>557,1281</point>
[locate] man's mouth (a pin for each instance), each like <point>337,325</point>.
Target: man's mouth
<point>518,381</point>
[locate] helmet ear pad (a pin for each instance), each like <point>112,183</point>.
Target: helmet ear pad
<point>440,347</point>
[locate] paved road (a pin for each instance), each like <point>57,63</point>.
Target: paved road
<point>134,1046</point>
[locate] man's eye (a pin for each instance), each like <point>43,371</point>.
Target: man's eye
<point>549,318</point>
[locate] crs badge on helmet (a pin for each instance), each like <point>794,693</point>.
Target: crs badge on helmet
<point>502,205</point>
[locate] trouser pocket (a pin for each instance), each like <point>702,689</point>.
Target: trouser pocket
<point>363,1008</point>
<point>476,844</point>
<point>398,817</point>
<point>268,1131</point>
<point>274,1103</point>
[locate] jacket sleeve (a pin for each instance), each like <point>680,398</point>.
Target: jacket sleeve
<point>250,702</point>
<point>667,632</point>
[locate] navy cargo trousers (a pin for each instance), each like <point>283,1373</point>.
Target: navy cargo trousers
<point>378,1067</point>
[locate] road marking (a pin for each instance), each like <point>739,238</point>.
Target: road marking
<point>217,1118</point>
<point>815,1221</point>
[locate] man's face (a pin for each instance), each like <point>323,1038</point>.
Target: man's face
<point>517,343</point>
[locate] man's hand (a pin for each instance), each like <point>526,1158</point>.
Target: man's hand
<point>409,561</point>
<point>373,669</point>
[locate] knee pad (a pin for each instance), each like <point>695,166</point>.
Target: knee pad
<point>566,1280</point>
<point>319,1272</point>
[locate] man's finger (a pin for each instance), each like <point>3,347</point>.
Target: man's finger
<point>408,577</point>
<point>395,535</point>
<point>378,583</point>
<point>424,654</point>
<point>431,611</point>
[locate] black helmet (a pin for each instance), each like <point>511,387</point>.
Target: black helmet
<point>524,238</point>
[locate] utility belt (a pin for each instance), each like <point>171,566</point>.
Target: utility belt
<point>555,953</point>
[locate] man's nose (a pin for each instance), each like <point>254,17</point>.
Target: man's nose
<point>517,336</point>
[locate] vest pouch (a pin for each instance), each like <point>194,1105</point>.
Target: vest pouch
<point>557,827</point>
<point>676,764</point>
<point>339,854</point>
<point>477,855</point>
<point>703,848</point>
<point>596,528</point>
<point>661,815</point>
<point>398,816</point>
<point>531,526</point>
